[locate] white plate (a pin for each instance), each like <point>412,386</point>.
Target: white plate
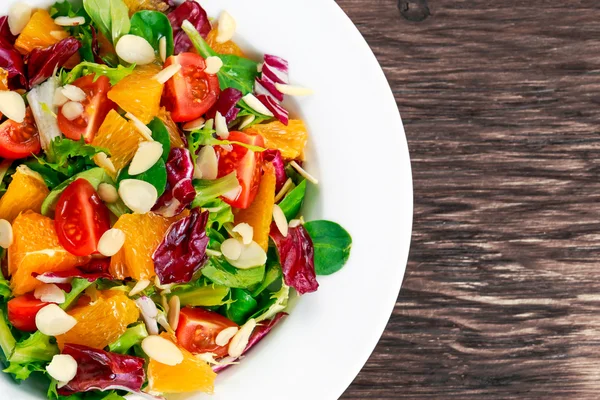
<point>359,153</point>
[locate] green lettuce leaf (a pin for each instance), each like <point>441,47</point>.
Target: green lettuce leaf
<point>208,190</point>
<point>87,68</point>
<point>111,17</point>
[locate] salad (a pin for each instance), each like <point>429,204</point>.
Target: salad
<point>151,192</point>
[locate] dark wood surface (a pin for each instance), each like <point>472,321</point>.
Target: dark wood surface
<point>501,105</point>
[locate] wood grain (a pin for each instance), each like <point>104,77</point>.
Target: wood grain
<point>500,101</point>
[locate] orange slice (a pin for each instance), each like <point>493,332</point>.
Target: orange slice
<point>228,47</point>
<point>27,191</point>
<point>154,5</point>
<point>40,31</point>
<point>290,140</point>
<point>171,126</point>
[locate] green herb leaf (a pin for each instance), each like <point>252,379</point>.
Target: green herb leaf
<point>161,135</point>
<point>82,32</point>
<point>78,285</point>
<point>209,190</point>
<point>88,68</point>
<point>196,295</point>
<point>292,202</point>
<point>221,272</point>
<point>132,336</point>
<point>246,111</point>
<point>241,307</point>
<point>31,355</point>
<point>332,245</point>
<point>205,137</point>
<point>272,274</point>
<point>220,213</point>
<point>22,371</point>
<point>277,303</point>
<point>7,340</point>
<point>111,17</point>
<point>69,157</point>
<point>152,26</point>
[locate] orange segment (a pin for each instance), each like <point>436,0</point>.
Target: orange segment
<point>40,31</point>
<point>101,322</point>
<point>191,375</point>
<point>260,213</point>
<point>171,126</point>
<point>143,234</point>
<point>36,249</point>
<point>139,93</point>
<point>290,139</point>
<point>120,137</point>
<point>137,5</point>
<point>27,191</point>
<point>3,79</point>
<point>228,47</point>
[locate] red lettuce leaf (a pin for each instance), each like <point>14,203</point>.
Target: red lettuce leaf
<point>179,192</point>
<point>100,370</point>
<point>259,333</point>
<point>226,105</point>
<point>5,32</point>
<point>41,63</point>
<point>95,269</point>
<point>12,62</point>
<point>194,13</point>
<point>183,250</point>
<point>297,258</point>
<point>274,157</point>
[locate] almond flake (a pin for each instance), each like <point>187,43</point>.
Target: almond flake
<point>174,310</point>
<point>213,253</point>
<point>280,220</point>
<point>142,129</point>
<point>139,196</point>
<point>231,249</point>
<point>259,67</point>
<point>162,350</point>
<point>225,335</point>
<point>53,320</point>
<point>12,105</point>
<point>111,242</point>
<point>67,21</point>
<point>72,110</point>
<point>73,93</point>
<point>226,28</point>
<point>245,231</point>
<point>207,164</point>
<point>233,194</point>
<point>135,50</point>
<point>163,76</point>
<point>213,65</point>
<point>284,190</point>
<point>221,126</point>
<point>147,154</point>
<point>238,343</point>
<point>108,193</point>
<point>139,287</point>
<point>59,98</point>
<point>194,125</point>
<point>49,293</point>
<point>6,234</point>
<point>209,124</point>
<point>63,367</point>
<point>252,256</point>
<point>102,160</point>
<point>162,49</point>
<point>293,90</point>
<point>19,15</point>
<point>305,174</point>
<point>248,119</point>
<point>255,104</point>
<point>295,223</point>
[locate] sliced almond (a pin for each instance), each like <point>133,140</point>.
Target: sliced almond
<point>255,104</point>
<point>111,242</point>
<point>213,65</point>
<point>226,147</point>
<point>225,335</point>
<point>284,189</point>
<point>59,98</point>
<point>227,27</point>
<point>231,249</point>
<point>63,367</point>
<point>142,129</point>
<point>68,21</point>
<point>174,311</point>
<point>49,293</point>
<point>252,256</point>
<point>238,343</point>
<point>139,196</point>
<point>53,320</point>
<point>72,110</point>
<point>163,76</point>
<point>12,105</point>
<point>207,164</point>
<point>6,234</point>
<point>147,154</point>
<point>139,287</point>
<point>194,125</point>
<point>135,50</point>
<point>245,231</point>
<point>162,49</point>
<point>305,174</point>
<point>233,194</point>
<point>102,160</point>
<point>221,126</point>
<point>149,313</point>
<point>73,93</point>
<point>162,350</point>
<point>293,90</point>
<point>259,67</point>
<point>280,220</point>
<point>295,223</point>
<point>19,15</point>
<point>248,119</point>
<point>108,193</point>
<point>209,124</point>
<point>213,253</point>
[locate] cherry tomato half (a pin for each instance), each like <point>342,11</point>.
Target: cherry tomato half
<point>190,92</point>
<point>247,164</point>
<point>95,108</point>
<point>19,140</point>
<point>22,311</point>
<point>198,329</point>
<point>81,218</point>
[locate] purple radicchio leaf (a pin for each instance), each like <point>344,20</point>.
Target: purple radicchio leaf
<point>100,370</point>
<point>276,69</point>
<point>12,62</point>
<point>42,62</point>
<point>226,105</point>
<point>259,333</point>
<point>183,250</point>
<point>277,109</point>
<point>194,13</point>
<point>179,192</point>
<point>274,157</point>
<point>5,32</point>
<point>297,258</point>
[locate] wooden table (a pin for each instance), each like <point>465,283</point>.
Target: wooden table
<point>501,105</point>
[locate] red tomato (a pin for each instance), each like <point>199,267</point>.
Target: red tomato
<point>19,140</point>
<point>22,311</point>
<point>246,163</point>
<point>190,92</point>
<point>95,108</point>
<point>81,218</point>
<point>198,329</point>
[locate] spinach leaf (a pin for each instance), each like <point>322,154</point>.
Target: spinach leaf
<point>156,176</point>
<point>332,245</point>
<point>110,16</point>
<point>276,303</point>
<point>152,26</point>
<point>87,68</point>
<point>161,135</point>
<point>241,307</point>
<point>222,273</point>
<point>271,276</point>
<point>236,72</point>
<point>292,202</point>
